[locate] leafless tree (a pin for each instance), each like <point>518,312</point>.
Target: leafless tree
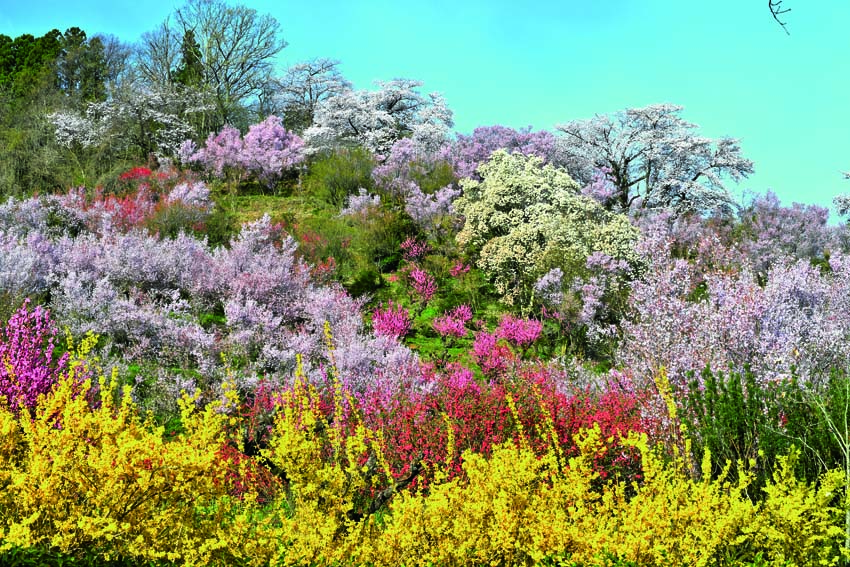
<point>236,47</point>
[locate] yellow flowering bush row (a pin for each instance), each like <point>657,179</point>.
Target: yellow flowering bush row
<point>95,478</point>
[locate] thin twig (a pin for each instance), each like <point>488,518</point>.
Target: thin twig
<point>777,10</point>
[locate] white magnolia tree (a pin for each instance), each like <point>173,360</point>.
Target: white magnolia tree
<point>377,119</point>
<point>654,159</point>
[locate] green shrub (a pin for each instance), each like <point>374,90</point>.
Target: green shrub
<point>739,419</point>
<point>335,176</point>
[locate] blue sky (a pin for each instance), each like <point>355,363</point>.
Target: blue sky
<point>497,61</point>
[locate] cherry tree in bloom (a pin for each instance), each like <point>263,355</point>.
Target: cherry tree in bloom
<point>377,119</point>
<point>655,159</point>
<point>267,150</point>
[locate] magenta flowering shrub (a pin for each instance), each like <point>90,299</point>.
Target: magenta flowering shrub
<point>28,366</point>
<point>519,332</point>
<point>458,269</point>
<point>266,151</point>
<point>470,151</point>
<point>392,321</point>
<point>452,325</point>
<point>423,284</point>
<point>413,250</point>
<point>492,356</point>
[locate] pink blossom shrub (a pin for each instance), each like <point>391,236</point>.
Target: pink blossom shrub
<point>28,366</point>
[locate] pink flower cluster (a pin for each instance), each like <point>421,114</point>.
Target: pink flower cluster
<point>492,356</point>
<point>414,250</point>
<point>520,332</point>
<point>28,367</point>
<point>391,320</point>
<point>459,269</point>
<point>423,284</point>
<point>453,323</point>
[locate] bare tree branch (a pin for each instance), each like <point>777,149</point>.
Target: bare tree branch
<point>777,10</point>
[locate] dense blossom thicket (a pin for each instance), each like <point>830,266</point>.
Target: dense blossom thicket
<point>387,344</point>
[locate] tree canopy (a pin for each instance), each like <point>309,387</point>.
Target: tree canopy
<point>654,159</point>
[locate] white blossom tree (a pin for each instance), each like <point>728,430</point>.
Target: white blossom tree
<point>154,122</point>
<point>524,218</point>
<point>654,159</point>
<point>377,119</point>
<point>304,86</point>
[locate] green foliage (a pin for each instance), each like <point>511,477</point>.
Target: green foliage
<point>335,176</point>
<point>38,557</point>
<point>739,419</point>
<point>376,239</point>
<point>736,419</point>
<point>190,72</point>
<point>26,63</point>
<point>81,67</point>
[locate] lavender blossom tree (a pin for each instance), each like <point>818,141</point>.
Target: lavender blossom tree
<point>470,151</point>
<point>267,150</point>
<point>654,158</point>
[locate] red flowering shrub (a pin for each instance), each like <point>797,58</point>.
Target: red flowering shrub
<point>135,174</point>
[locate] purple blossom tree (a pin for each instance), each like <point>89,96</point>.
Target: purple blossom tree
<point>267,150</point>
<point>470,151</point>
<point>772,232</point>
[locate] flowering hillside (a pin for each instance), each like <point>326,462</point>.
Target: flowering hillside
<point>259,319</point>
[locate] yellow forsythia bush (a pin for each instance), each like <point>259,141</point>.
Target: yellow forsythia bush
<point>316,522</point>
<point>76,477</point>
<point>515,509</point>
